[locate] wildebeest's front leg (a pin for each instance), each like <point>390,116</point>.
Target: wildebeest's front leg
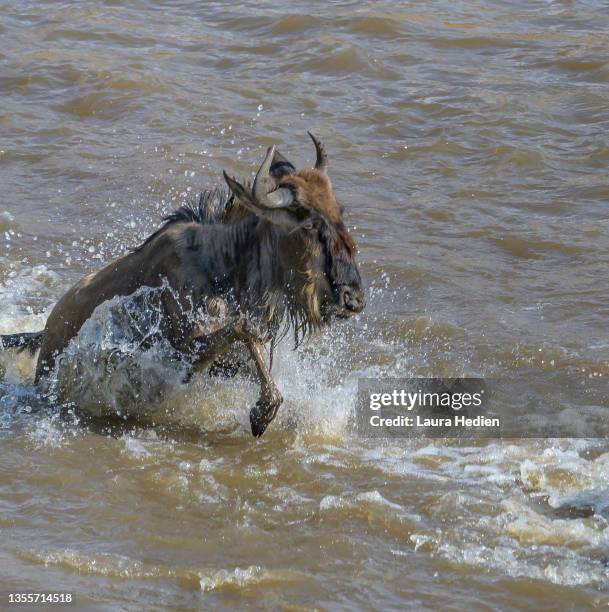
<point>270,399</point>
<point>208,348</point>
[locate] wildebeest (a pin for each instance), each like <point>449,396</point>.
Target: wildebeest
<point>274,255</point>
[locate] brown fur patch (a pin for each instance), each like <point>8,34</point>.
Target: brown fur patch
<point>315,190</point>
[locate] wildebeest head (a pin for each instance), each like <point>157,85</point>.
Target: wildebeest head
<point>316,251</point>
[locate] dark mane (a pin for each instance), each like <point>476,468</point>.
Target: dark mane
<point>212,206</point>
<point>280,312</point>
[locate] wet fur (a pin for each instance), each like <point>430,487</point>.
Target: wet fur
<point>215,247</point>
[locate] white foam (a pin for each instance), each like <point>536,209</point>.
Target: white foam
<point>119,363</point>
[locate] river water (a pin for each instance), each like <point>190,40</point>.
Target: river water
<point>468,143</point>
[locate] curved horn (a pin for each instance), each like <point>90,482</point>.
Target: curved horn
<point>321,163</point>
<point>280,198</point>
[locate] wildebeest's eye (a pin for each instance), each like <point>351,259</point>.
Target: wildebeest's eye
<point>312,225</point>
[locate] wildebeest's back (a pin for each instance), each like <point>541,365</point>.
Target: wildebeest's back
<point>187,255</point>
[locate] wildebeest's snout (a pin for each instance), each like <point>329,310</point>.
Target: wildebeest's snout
<point>352,299</point>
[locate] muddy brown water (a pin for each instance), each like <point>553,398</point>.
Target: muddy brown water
<point>468,142</point>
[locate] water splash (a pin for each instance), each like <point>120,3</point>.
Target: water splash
<point>120,363</point>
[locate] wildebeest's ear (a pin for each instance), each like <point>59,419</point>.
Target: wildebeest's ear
<point>237,189</point>
<point>281,166</point>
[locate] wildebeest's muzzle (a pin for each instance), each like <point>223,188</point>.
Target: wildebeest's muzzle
<point>345,279</point>
<point>350,300</point>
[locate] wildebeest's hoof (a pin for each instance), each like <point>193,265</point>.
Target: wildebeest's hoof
<point>263,413</point>
<point>258,424</point>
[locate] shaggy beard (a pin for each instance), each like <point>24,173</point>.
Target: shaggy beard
<point>299,312</point>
